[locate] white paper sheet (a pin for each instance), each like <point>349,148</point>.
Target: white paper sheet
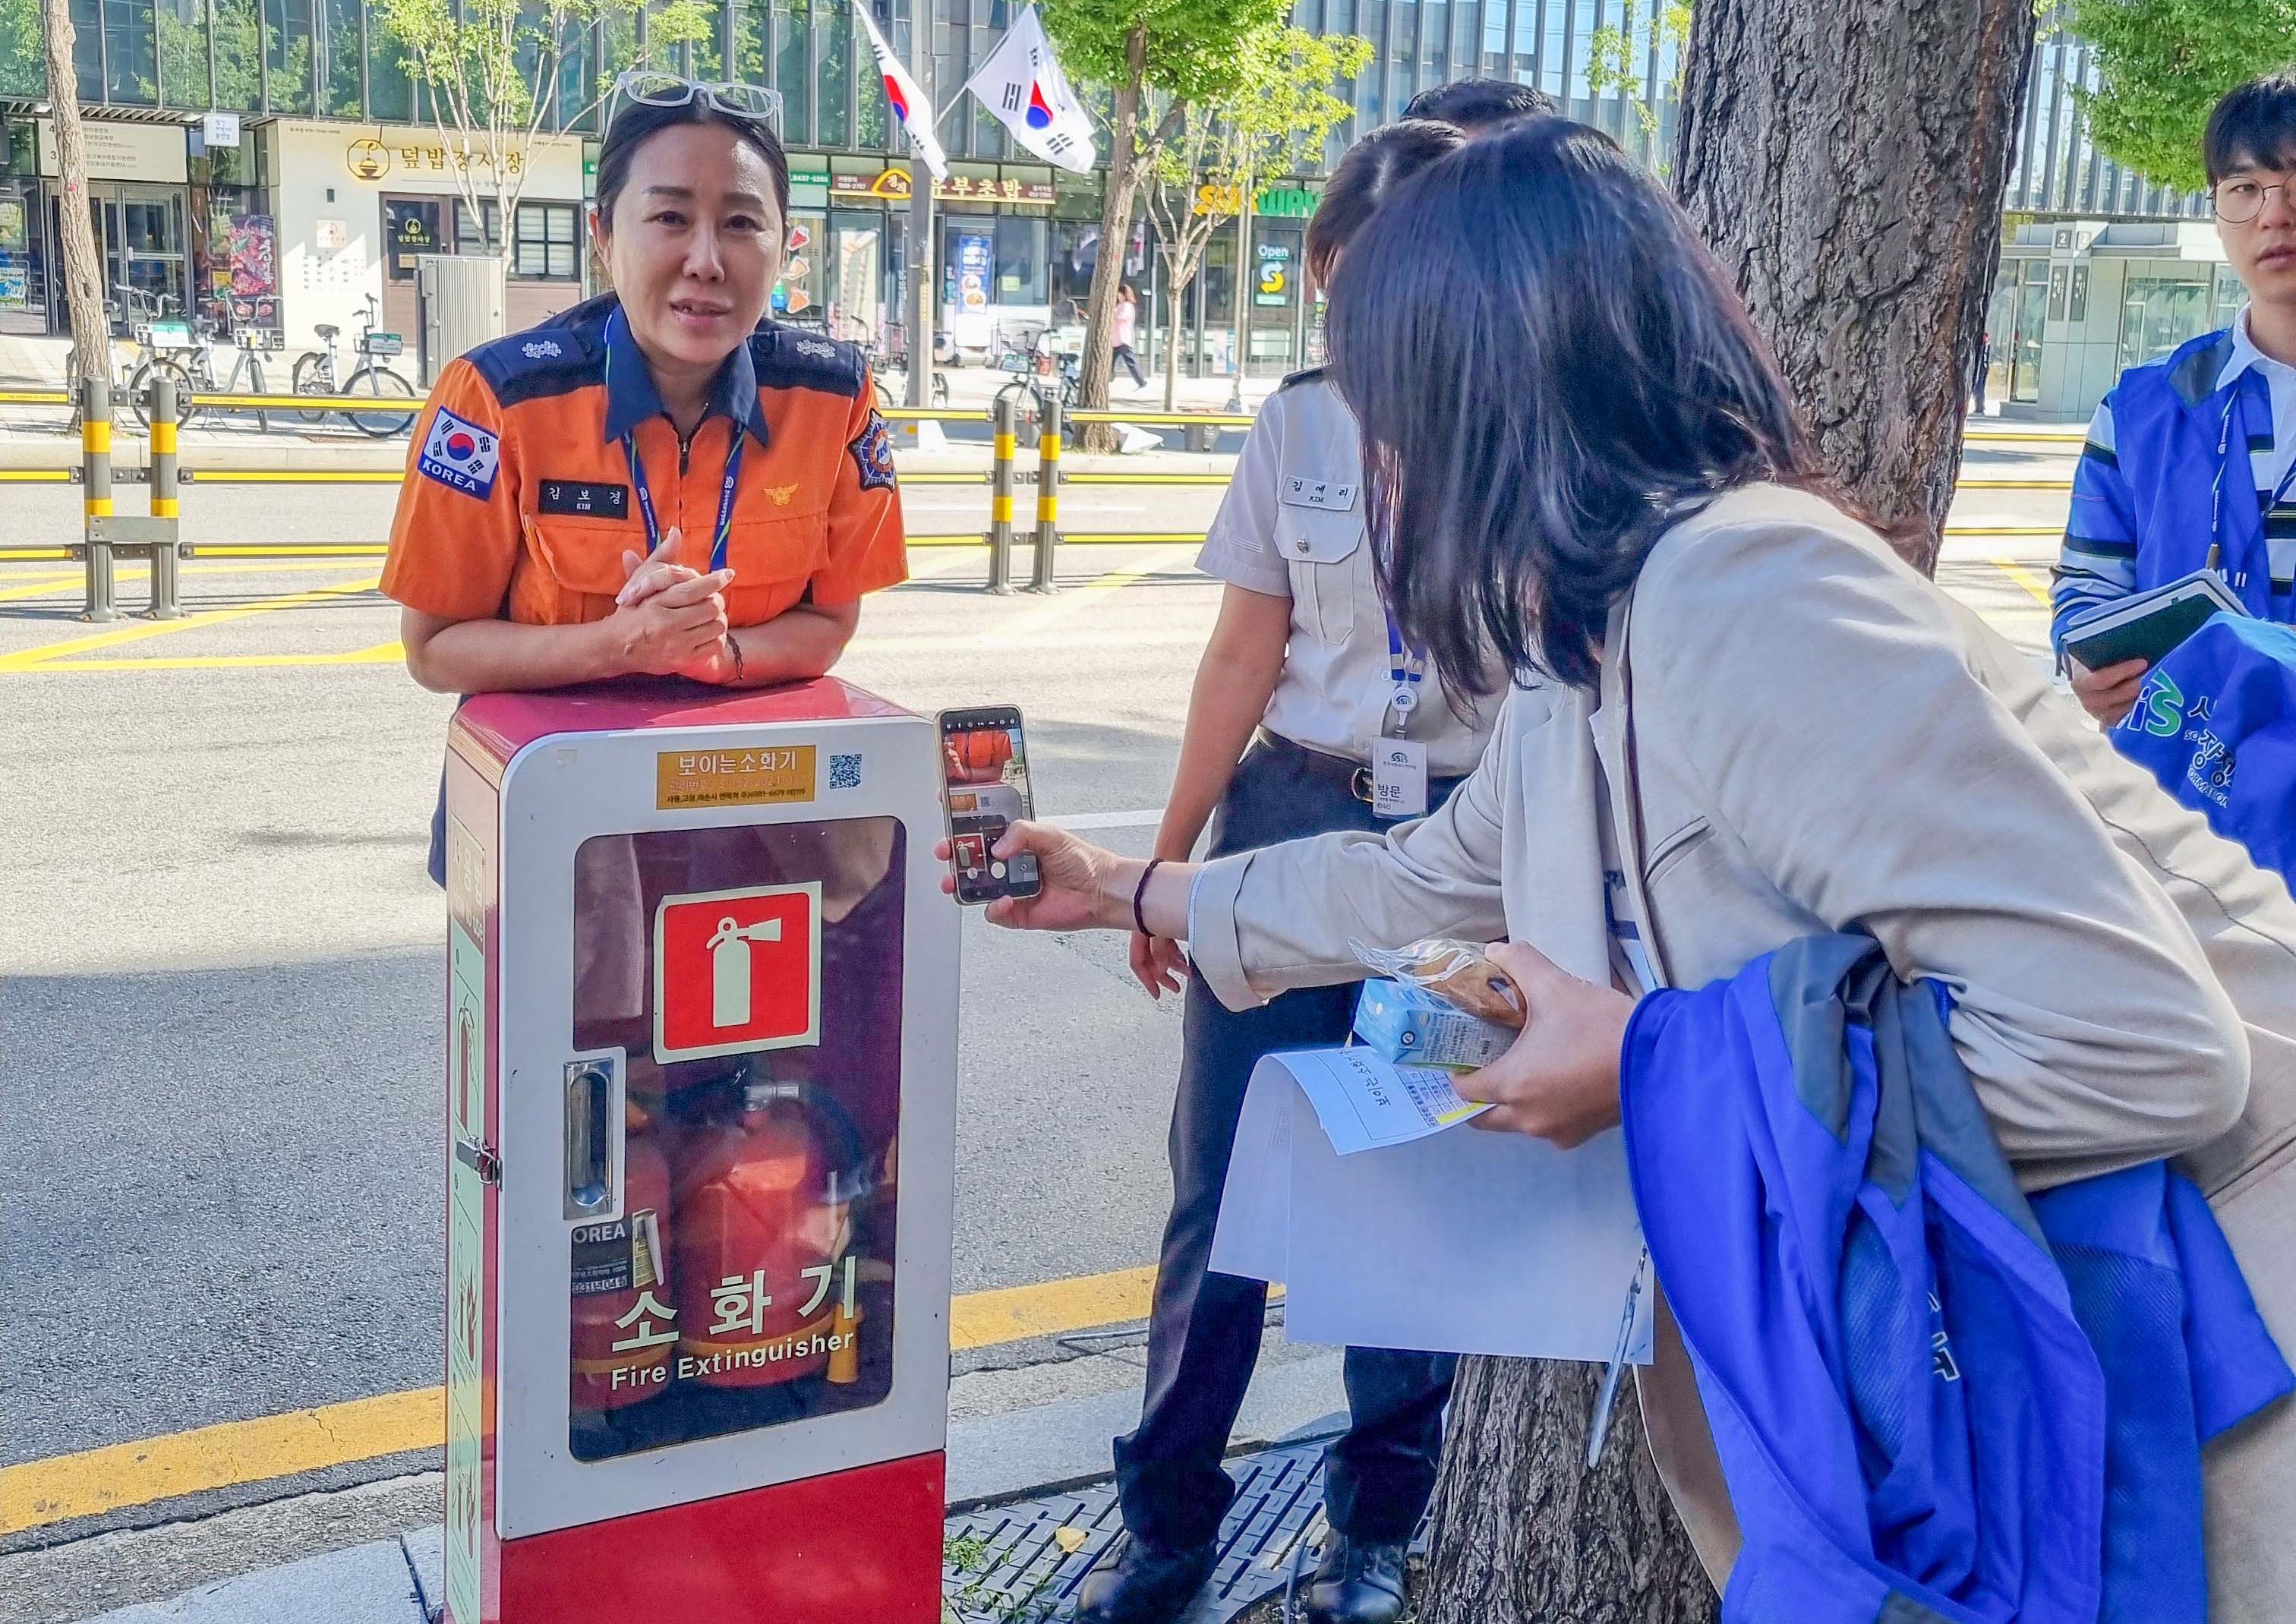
<point>1460,1242</point>
<point>1365,1102</point>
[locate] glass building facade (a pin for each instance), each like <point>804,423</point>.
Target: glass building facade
<point>338,164</point>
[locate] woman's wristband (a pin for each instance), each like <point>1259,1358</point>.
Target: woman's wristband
<point>1140,891</point>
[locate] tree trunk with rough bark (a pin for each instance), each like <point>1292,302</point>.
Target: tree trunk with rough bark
<point>1524,1536</point>
<point>83,271</point>
<point>1116,201</point>
<point>1845,160</point>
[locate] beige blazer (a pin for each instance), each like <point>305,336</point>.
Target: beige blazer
<point>1824,741</point>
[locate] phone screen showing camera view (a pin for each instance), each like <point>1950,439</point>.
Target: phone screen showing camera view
<point>985,770</point>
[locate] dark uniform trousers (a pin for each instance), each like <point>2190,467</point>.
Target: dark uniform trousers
<point>1204,1328</point>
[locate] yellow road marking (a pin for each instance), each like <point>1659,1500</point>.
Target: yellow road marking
<point>38,1494</point>
<point>984,1319</point>
<point>2024,577</point>
<point>381,654</point>
<point>42,1492</point>
<point>25,659</point>
<point>42,588</point>
<point>1074,601</point>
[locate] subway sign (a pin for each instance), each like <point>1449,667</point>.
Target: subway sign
<point>1296,202</point>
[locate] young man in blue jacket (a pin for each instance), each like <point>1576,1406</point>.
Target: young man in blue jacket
<point>2164,484</point>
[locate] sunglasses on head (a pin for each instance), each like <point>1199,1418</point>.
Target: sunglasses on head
<point>650,88</point>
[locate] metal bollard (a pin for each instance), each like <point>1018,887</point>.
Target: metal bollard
<point>1000,498</point>
<point>95,457</point>
<point>166,603</point>
<point>1200,437</point>
<point>1048,496</point>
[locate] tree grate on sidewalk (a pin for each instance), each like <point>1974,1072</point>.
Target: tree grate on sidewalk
<point>1022,1562</point>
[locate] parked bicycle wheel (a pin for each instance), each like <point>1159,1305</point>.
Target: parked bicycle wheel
<point>312,375</point>
<point>1022,394</point>
<point>139,388</point>
<point>380,380</point>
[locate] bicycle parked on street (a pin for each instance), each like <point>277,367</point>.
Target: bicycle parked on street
<point>1046,377</point>
<point>317,371</point>
<point>171,348</point>
<point>250,346</point>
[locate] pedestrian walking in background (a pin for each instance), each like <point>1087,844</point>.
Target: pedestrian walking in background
<point>1302,678</point>
<point>1127,329</point>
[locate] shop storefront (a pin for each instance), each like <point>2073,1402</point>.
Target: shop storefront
<point>160,201</point>
<point>358,205</point>
<point>2075,303</point>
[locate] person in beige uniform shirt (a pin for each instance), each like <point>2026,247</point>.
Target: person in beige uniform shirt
<point>1780,728</point>
<point>1304,708</point>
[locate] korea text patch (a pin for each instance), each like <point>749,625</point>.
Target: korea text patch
<point>461,454</point>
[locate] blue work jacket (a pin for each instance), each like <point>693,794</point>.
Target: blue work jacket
<point>1933,1400</point>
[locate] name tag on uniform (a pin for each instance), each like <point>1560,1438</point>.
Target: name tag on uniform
<point>583,500</point>
<point>1398,778</point>
<point>1301,491</point>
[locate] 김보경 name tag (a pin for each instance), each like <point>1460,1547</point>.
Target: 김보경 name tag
<point>1398,778</point>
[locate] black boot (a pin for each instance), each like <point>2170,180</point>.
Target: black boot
<point>1357,1582</point>
<point>1134,1582</point>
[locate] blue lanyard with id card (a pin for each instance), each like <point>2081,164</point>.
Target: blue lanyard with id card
<point>1398,766</point>
<point>725,498</point>
<point>2236,410</point>
<point>723,533</point>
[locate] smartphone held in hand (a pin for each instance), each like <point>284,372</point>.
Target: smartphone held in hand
<point>984,763</point>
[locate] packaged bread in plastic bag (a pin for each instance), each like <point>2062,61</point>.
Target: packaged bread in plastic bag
<point>1454,971</point>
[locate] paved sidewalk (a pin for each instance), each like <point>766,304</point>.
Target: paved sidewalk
<point>1014,1477</point>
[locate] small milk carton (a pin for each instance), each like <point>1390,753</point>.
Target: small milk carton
<point>1411,1027</point>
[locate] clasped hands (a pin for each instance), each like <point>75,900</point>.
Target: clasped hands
<point>671,618</point>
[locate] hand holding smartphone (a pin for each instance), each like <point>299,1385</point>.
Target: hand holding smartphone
<point>984,763</point>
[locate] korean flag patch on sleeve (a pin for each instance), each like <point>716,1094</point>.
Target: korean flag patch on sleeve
<point>872,454</point>
<point>461,454</point>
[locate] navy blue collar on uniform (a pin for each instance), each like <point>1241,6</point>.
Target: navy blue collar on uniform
<point>631,396</point>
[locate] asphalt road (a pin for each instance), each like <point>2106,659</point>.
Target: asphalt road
<point>224,984</point>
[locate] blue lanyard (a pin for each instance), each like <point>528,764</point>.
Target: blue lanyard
<point>1405,668</point>
<point>725,498</point>
<point>637,473</point>
<point>2236,408</point>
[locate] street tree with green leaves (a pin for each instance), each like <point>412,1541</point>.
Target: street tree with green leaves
<point>2162,64</point>
<point>1155,58</point>
<point>1277,117</point>
<point>498,72</point>
<point>1619,61</point>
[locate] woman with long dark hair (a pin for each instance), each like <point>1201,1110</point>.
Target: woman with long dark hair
<point>1738,720</point>
<point>1301,687</point>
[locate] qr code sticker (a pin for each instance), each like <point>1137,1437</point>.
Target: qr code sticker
<point>845,772</point>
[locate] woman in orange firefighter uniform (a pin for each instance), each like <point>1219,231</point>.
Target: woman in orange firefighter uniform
<point>656,482</point>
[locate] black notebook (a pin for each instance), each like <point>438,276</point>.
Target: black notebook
<point>2148,625</point>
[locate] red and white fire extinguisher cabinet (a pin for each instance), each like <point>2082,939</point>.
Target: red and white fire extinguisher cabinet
<point>701,1035</point>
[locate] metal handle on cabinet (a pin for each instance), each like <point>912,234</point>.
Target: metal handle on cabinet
<point>589,1137</point>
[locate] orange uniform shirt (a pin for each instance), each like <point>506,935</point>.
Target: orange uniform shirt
<point>519,499</point>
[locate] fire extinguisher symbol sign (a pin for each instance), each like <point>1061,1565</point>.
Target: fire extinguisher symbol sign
<point>737,971</point>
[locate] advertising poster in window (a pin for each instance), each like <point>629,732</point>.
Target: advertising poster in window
<point>973,262</point>
<point>251,256</point>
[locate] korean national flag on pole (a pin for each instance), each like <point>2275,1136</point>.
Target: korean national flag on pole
<point>909,104</point>
<point>1025,88</point>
